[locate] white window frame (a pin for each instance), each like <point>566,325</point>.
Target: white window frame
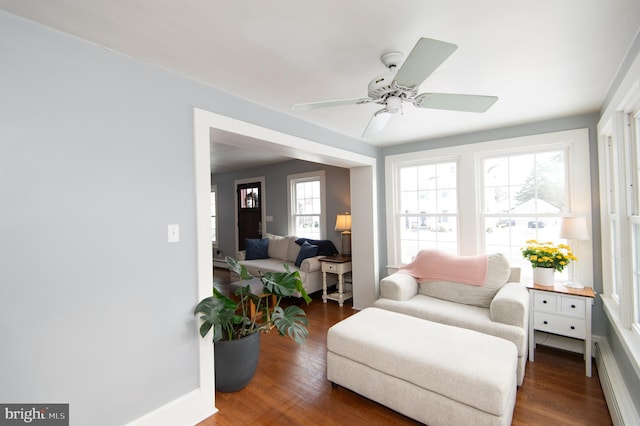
<point>539,147</point>
<point>619,210</point>
<point>619,296</point>
<point>291,196</point>
<point>470,187</point>
<point>394,219</point>
<point>634,212</point>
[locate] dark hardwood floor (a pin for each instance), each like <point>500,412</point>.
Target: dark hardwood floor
<point>290,386</point>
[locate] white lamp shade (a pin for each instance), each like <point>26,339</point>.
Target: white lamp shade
<point>574,228</point>
<point>343,222</point>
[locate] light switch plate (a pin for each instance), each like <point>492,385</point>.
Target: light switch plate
<point>173,233</point>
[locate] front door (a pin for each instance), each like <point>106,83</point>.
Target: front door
<point>249,196</point>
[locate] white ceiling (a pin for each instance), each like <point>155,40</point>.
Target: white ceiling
<point>543,59</point>
<point>227,158</point>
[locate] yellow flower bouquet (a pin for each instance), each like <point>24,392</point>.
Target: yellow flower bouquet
<point>548,255</point>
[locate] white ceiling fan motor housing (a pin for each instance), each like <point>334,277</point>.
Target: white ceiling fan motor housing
<point>383,86</point>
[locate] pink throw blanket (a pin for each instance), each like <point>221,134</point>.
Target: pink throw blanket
<point>435,265</point>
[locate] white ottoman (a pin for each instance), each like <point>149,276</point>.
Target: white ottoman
<point>434,373</point>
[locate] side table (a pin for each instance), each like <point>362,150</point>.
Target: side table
<point>339,265</point>
<point>561,310</point>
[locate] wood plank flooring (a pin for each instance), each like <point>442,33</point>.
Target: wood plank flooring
<point>290,386</point>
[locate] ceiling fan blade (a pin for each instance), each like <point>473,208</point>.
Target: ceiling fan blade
<point>426,56</point>
<point>323,104</point>
<point>377,123</point>
<point>455,102</point>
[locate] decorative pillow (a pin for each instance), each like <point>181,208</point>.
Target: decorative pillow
<point>278,247</point>
<point>307,250</point>
<point>294,249</point>
<point>325,247</point>
<point>256,248</point>
<point>498,271</point>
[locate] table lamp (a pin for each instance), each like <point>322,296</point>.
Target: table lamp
<point>343,224</point>
<point>574,228</point>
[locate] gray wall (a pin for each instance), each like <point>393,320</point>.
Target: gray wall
<point>337,198</point>
<point>96,159</point>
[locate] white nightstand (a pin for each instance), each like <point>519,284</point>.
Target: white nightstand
<point>562,311</point>
<point>339,265</point>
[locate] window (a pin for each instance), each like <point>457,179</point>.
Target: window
<point>620,176</point>
<point>634,219</point>
<point>611,217</point>
<point>489,197</point>
<point>214,216</point>
<point>524,198</point>
<point>427,209</point>
<point>619,164</point>
<point>307,205</point>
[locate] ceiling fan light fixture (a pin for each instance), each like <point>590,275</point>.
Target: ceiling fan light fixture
<point>394,104</point>
<point>378,122</point>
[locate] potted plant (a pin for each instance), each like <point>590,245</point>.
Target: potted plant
<point>236,334</point>
<point>546,258</point>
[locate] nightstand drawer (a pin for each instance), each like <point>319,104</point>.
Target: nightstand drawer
<point>546,302</point>
<point>571,327</point>
<point>330,267</point>
<point>572,306</point>
<point>336,268</point>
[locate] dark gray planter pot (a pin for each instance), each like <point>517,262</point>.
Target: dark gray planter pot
<point>236,362</point>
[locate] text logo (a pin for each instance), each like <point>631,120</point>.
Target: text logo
<point>34,414</point>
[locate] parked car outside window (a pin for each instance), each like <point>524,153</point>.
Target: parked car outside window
<point>503,223</point>
<point>535,224</point>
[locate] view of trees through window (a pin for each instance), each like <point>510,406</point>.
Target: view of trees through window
<point>525,197</point>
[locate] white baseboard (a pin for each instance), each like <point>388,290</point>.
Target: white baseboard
<point>188,410</point>
<point>615,391</point>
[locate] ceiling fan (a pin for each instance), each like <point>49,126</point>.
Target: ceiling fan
<point>397,86</point>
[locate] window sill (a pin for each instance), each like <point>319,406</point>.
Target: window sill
<point>628,338</point>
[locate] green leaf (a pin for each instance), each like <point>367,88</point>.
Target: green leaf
<point>293,322</point>
<point>284,283</point>
<point>204,328</point>
<point>239,269</point>
<point>216,311</point>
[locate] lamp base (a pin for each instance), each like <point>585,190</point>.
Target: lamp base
<point>346,243</point>
<point>573,284</point>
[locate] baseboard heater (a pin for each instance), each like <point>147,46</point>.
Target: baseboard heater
<point>615,390</point>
